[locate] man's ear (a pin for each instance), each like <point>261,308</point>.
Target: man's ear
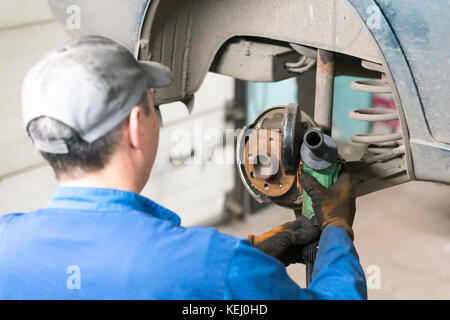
<point>134,127</point>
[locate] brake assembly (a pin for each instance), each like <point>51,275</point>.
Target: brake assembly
<point>276,147</point>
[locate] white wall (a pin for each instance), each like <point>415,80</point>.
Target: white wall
<point>195,192</point>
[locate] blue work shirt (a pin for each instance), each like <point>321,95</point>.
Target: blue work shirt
<point>92,243</point>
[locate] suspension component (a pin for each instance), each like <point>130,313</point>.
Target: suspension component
<point>323,101</point>
<point>378,143</point>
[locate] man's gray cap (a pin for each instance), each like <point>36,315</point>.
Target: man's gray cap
<point>90,85</point>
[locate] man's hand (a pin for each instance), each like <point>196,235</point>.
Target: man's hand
<point>286,241</point>
<point>334,206</point>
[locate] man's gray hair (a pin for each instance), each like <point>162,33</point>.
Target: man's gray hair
<point>83,157</point>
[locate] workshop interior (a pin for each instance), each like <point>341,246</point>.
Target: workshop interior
<point>305,85</point>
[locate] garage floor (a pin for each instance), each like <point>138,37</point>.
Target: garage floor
<point>404,230</point>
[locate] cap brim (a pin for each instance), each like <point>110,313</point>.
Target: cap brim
<point>158,75</point>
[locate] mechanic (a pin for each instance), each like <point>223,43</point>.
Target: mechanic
<point>89,110</point>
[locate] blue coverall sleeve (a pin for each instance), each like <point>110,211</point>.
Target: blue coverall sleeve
<point>337,272</point>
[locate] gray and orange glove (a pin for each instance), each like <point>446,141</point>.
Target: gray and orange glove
<point>334,206</point>
<point>286,242</point>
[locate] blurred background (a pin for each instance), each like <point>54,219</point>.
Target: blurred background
<point>402,233</point>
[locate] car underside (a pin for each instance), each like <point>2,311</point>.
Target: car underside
<point>273,40</point>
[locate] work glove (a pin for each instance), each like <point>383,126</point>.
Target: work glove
<point>286,242</point>
<point>334,206</point>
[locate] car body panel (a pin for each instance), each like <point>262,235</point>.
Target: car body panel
<point>430,158</point>
<point>187,35</point>
<point>422,31</point>
<point>119,20</point>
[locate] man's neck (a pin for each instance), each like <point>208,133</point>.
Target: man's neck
<point>103,179</point>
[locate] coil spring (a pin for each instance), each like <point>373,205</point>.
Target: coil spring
<point>378,143</point>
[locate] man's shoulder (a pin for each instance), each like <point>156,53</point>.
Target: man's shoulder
<point>209,238</point>
<point>10,217</point>
<point>199,245</point>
